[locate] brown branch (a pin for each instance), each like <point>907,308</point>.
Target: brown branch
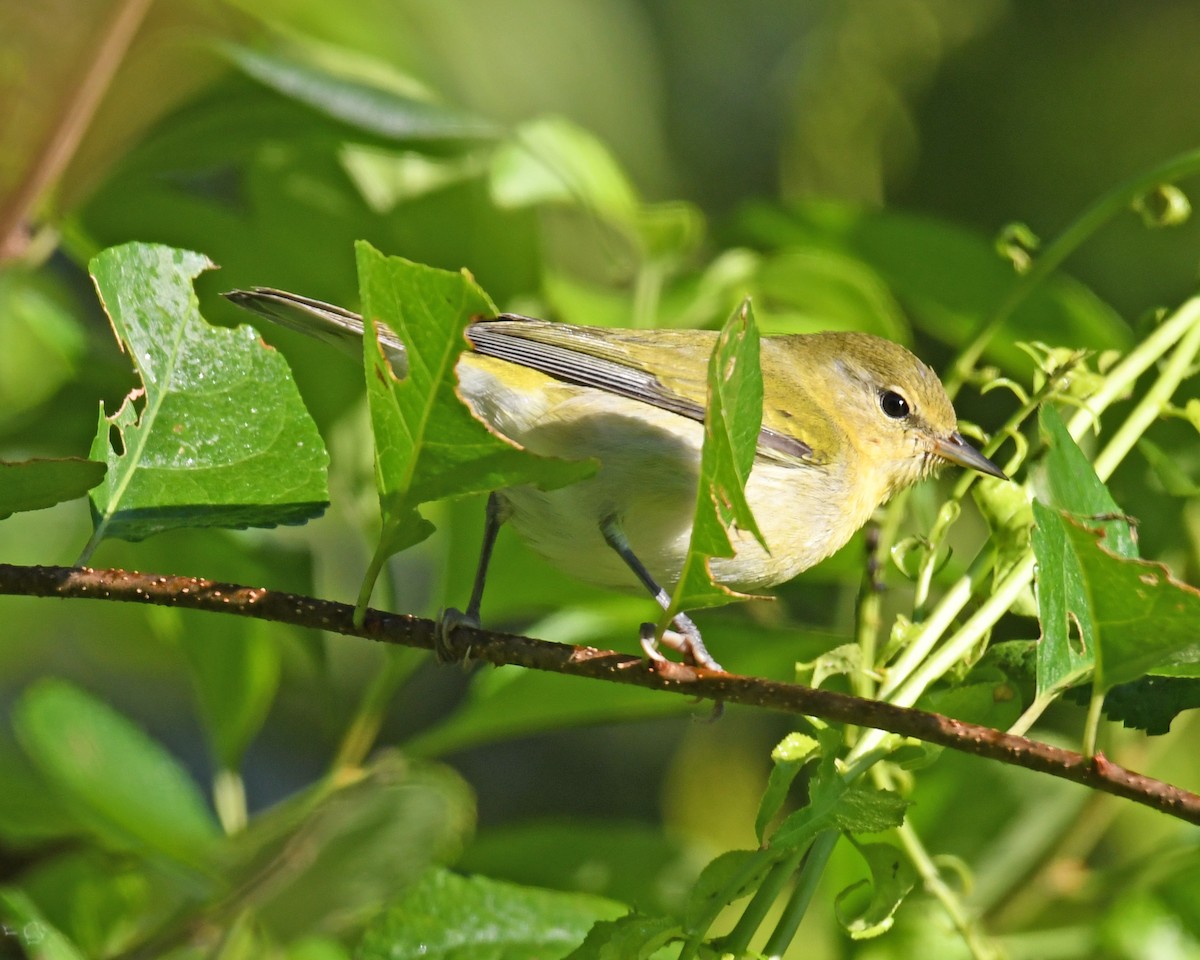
<point>498,648</point>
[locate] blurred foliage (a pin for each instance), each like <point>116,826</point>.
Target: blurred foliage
<point>178,786</point>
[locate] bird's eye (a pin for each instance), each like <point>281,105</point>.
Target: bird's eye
<point>893,405</point>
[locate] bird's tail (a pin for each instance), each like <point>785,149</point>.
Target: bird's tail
<point>332,324</point>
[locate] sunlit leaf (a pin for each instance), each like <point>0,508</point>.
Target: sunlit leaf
<point>551,160</point>
<point>428,445</point>
<point>448,917</point>
<point>218,435</point>
<point>376,108</point>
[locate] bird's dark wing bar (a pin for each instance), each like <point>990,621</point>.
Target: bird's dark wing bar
<point>586,370</point>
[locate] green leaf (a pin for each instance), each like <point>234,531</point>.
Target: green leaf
<point>551,160</point>
<point>867,810</point>
<point>1143,617</point>
<point>732,421</point>
<point>36,484</point>
<point>220,436</point>
<point>21,918</point>
<point>624,860</point>
<point>1074,486</point>
<point>125,788</point>
<point>809,290</point>
<point>789,757</point>
<point>428,445</point>
<point>728,877</point>
<point>99,899</point>
<point>30,811</point>
<point>1151,703</point>
<point>43,339</point>
<point>1066,652</point>
<point>449,917</point>
<point>892,878</point>
<point>373,107</point>
<point>326,861</point>
<point>629,938</point>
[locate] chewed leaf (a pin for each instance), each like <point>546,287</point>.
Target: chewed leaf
<point>218,435</point>
<point>1067,650</point>
<point>732,422</point>
<point>1129,615</point>
<point>892,878</point>
<point>428,444</point>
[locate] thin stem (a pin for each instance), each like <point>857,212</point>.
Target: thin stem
<point>1152,404</point>
<point>802,894</point>
<point>1091,729</point>
<point>1105,208</point>
<point>364,728</point>
<point>737,941</point>
<point>979,944</point>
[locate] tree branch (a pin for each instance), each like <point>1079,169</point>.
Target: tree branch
<point>497,648</point>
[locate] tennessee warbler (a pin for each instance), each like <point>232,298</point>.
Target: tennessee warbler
<point>848,420</point>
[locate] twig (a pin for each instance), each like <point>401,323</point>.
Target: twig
<point>64,136</point>
<point>497,648</point>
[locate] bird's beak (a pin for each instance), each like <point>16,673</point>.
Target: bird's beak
<point>955,449</point>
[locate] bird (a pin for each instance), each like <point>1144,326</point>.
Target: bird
<point>848,420</point>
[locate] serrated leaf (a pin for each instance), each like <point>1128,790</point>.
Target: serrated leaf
<point>1149,703</point>
<point>36,484</point>
<point>1142,617</point>
<point>125,788</point>
<point>385,112</point>
<point>1066,652</point>
<point>892,879</point>
<point>220,437</point>
<point>449,917</point>
<point>732,420</point>
<point>428,445</point>
<point>864,809</point>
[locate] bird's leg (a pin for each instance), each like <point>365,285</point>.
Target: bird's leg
<point>684,635</point>
<point>496,513</point>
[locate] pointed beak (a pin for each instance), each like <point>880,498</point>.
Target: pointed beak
<point>955,449</point>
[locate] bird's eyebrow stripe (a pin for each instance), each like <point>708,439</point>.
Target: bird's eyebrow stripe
<point>586,370</point>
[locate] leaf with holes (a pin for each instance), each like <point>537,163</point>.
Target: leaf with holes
<point>217,436</point>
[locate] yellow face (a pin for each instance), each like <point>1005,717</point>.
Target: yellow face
<point>895,424</point>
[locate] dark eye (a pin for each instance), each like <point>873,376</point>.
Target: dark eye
<point>894,405</point>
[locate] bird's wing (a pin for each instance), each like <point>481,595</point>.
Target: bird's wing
<point>620,362</point>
